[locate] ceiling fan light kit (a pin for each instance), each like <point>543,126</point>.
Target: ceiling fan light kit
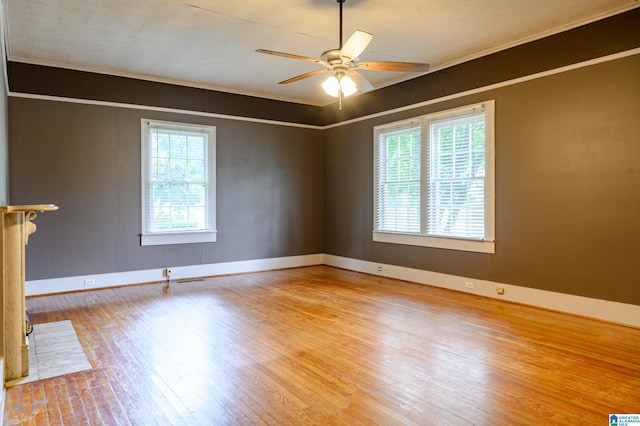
<point>336,84</point>
<point>343,64</point>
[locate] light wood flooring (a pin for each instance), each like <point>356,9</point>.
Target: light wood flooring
<point>324,346</point>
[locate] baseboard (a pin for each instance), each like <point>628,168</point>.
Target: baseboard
<point>88,282</point>
<point>621,313</point>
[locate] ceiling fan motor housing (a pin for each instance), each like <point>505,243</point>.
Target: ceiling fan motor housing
<point>332,57</point>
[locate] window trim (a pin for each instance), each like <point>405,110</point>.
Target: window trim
<point>485,245</point>
<point>179,237</point>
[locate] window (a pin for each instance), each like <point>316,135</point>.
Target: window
<point>434,180</point>
<point>178,183</point>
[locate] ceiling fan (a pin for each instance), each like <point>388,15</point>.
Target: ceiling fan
<point>343,64</point>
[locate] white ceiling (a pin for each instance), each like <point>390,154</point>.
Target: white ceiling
<point>212,43</point>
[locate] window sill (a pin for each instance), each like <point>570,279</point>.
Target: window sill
<point>477,246</point>
<point>178,238</point>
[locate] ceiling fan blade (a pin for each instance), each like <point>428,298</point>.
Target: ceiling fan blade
<point>393,66</point>
<point>290,56</point>
<point>356,45</point>
<point>302,76</point>
<point>361,82</point>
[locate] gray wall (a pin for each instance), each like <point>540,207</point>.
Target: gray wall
<point>4,137</point>
<point>4,175</point>
<point>86,159</point>
<point>567,187</point>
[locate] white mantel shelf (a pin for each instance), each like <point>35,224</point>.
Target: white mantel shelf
<point>29,208</point>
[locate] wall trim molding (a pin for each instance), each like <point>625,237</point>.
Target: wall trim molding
<point>615,312</point>
<point>514,81</point>
<point>160,109</point>
<point>578,65</point>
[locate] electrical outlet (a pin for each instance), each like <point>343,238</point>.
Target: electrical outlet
<point>89,282</point>
<point>379,268</point>
<point>500,290</point>
<point>468,284</point>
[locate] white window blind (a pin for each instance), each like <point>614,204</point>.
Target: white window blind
<point>456,176</point>
<point>434,180</point>
<point>178,182</point>
<point>398,183</point>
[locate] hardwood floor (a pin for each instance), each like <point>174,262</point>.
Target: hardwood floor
<point>324,346</point>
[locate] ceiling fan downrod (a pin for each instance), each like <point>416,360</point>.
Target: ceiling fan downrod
<point>340,36</point>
